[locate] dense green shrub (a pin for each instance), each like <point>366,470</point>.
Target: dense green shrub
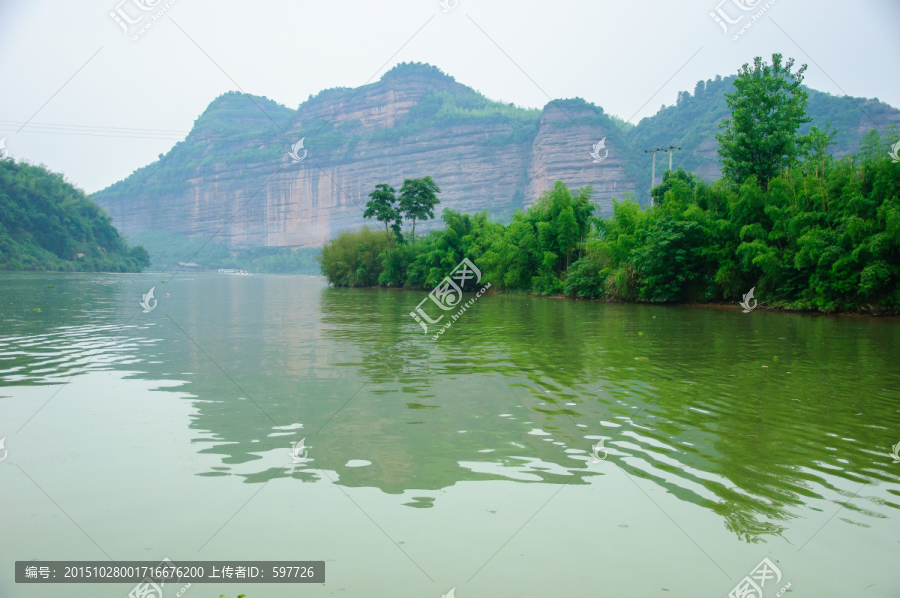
<point>825,236</point>
<point>355,259</point>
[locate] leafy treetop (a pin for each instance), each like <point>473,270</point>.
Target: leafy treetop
<point>768,107</point>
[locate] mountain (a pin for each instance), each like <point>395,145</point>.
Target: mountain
<point>692,124</point>
<point>48,224</point>
<point>232,176</point>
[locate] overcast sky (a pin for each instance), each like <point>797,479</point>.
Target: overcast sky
<point>69,64</point>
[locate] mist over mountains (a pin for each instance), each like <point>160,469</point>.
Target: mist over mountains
<point>233,173</point>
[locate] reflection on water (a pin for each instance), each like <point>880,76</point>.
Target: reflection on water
<point>752,416</point>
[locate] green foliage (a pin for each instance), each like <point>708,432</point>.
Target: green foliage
<point>669,180</point>
<point>824,235</point>
<point>586,277</point>
<point>381,207</point>
<point>693,121</point>
<point>767,109</point>
<point>670,263</point>
<point>48,224</point>
<point>354,259</point>
<point>418,197</point>
<point>531,254</point>
<point>438,252</point>
<point>422,70</point>
<point>456,106</point>
<point>534,251</point>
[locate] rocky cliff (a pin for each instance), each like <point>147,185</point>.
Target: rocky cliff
<point>232,176</point>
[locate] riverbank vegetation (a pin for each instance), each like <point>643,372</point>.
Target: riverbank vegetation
<point>806,230</point>
<point>168,250</point>
<point>47,223</point>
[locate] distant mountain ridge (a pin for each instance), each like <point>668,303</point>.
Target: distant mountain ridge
<point>233,174</point>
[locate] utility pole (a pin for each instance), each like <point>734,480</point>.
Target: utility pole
<point>672,149</point>
<point>669,149</point>
<point>653,172</point>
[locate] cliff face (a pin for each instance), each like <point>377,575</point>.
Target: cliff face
<point>232,175</point>
<point>561,151</point>
<point>354,139</point>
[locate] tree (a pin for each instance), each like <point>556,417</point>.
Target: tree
<point>814,148</point>
<point>767,108</point>
<point>381,207</point>
<point>668,181</point>
<point>418,197</point>
<point>568,233</point>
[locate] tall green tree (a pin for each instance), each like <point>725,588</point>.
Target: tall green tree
<point>418,197</point>
<point>381,207</point>
<point>767,108</point>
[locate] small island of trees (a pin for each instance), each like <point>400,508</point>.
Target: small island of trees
<point>808,231</point>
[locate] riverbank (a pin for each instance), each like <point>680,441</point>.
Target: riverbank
<point>694,304</point>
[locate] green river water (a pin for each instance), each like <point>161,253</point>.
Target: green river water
<point>463,462</point>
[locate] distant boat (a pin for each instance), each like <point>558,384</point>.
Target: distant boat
<point>231,271</point>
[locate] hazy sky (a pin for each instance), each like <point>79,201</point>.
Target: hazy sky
<point>131,100</point>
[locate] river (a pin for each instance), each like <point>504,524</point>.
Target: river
<point>539,447</point>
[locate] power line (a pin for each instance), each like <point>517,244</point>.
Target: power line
<point>55,129</point>
<point>119,135</point>
<point>13,122</point>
